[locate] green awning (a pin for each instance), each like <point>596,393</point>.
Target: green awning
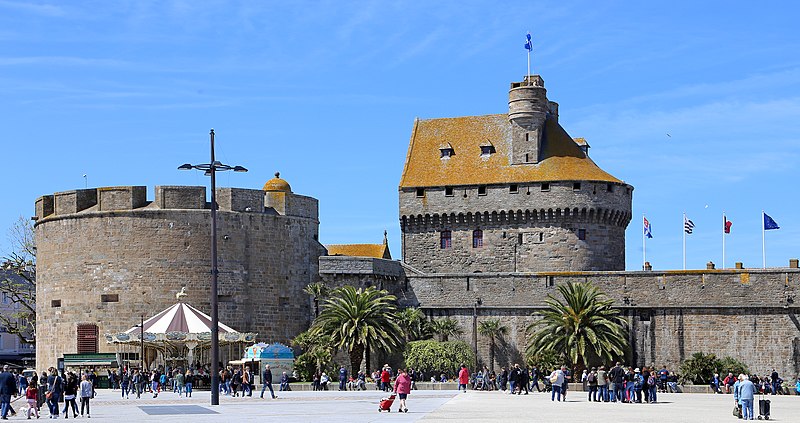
<point>99,359</point>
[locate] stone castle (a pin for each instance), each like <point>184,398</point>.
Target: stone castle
<point>107,256</point>
<point>495,212</point>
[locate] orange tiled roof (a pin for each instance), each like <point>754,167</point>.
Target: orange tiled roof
<point>360,250</point>
<point>562,159</point>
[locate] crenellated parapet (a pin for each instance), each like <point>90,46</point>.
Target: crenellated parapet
<point>172,197</point>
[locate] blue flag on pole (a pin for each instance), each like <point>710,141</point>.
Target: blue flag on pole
<point>769,223</point>
<point>529,44</point>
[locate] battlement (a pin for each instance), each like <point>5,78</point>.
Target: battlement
<point>173,197</point>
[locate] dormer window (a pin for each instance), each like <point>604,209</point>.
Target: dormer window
<point>447,151</point>
<point>487,150</point>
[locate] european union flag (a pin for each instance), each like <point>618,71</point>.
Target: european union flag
<point>769,223</point>
<point>529,44</point>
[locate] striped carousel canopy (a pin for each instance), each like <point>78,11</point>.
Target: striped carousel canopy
<point>181,318</point>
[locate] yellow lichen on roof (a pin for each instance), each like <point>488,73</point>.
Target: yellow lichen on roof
<point>359,250</point>
<point>562,158</point>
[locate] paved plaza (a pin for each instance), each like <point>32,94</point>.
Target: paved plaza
<point>428,406</point>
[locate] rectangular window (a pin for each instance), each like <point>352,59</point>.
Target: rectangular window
<point>477,238</point>
<point>519,239</point>
<point>6,299</point>
<point>448,191</point>
<point>87,339</point>
<point>513,188</point>
<point>482,190</point>
<point>109,298</point>
<point>445,240</point>
<point>420,192</point>
<point>610,187</point>
<point>576,186</point>
<point>55,303</point>
<point>582,234</point>
<point>545,186</point>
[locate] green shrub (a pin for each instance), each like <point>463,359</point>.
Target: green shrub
<point>434,357</point>
<point>700,368</point>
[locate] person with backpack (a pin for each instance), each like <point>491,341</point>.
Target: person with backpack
<point>653,387</point>
<point>638,385</point>
<point>602,384</point>
<point>591,382</point>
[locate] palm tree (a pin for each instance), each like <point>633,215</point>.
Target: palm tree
<point>318,290</point>
<point>412,322</point>
<point>493,328</point>
<point>357,319</point>
<point>445,328</point>
<point>585,324</point>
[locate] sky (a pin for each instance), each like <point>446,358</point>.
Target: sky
<point>695,104</point>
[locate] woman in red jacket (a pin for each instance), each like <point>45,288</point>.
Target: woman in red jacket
<point>402,387</point>
<point>463,378</point>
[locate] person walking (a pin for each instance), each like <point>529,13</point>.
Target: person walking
<point>70,393</point>
<point>463,378</point>
<point>747,394</point>
<point>557,380</point>
<point>180,382</point>
<point>31,395</point>
<point>124,380</point>
<point>86,395</point>
<point>55,388</point>
<point>266,381</point>
<point>8,387</point>
<point>188,381</point>
<point>402,387</point>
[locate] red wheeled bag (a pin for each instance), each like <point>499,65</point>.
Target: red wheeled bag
<point>386,403</point>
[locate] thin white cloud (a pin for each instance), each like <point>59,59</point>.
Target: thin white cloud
<point>41,9</point>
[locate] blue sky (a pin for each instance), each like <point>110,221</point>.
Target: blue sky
<point>326,93</point>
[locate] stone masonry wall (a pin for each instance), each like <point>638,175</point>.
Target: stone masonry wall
<point>146,255</point>
<point>746,314</point>
<point>527,231</point>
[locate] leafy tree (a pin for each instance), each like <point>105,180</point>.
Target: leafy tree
<point>359,319</point>
<point>413,323</point>
<point>699,369</point>
<point>317,353</point>
<point>583,325</point>
<point>494,329</point>
<point>18,282</point>
<point>431,356</point>
<point>318,291</point>
<point>546,360</point>
<point>445,328</point>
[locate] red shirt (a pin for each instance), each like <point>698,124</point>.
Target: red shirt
<point>463,376</point>
<point>385,376</point>
<point>30,393</point>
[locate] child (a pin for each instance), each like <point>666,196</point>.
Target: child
<point>31,394</point>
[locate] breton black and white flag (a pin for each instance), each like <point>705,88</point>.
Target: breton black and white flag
<point>688,225</point>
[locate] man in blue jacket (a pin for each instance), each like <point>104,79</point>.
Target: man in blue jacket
<point>747,393</point>
<point>8,387</point>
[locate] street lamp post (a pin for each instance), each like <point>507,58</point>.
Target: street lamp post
<point>211,169</point>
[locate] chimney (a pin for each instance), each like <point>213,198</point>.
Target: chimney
<point>710,265</point>
<point>793,263</point>
<point>739,265</point>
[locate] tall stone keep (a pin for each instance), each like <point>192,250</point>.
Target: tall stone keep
<point>509,193</point>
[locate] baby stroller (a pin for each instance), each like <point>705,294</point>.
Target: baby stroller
<point>386,404</point>
<point>547,385</point>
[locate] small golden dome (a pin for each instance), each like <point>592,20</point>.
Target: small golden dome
<point>277,184</point>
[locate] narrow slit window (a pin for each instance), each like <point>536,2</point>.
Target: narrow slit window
<point>545,186</point>
<point>448,191</point>
<point>576,186</point>
<point>610,187</point>
<point>513,188</point>
<point>482,190</point>
<point>420,192</point>
<point>519,239</point>
<point>582,234</point>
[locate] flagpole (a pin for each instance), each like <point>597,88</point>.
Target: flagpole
<point>724,224</point>
<point>644,244</point>
<point>684,240</point>
<point>763,243</point>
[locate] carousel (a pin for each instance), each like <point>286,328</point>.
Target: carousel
<point>179,336</point>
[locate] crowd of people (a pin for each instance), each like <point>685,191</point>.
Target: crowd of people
<point>51,388</point>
